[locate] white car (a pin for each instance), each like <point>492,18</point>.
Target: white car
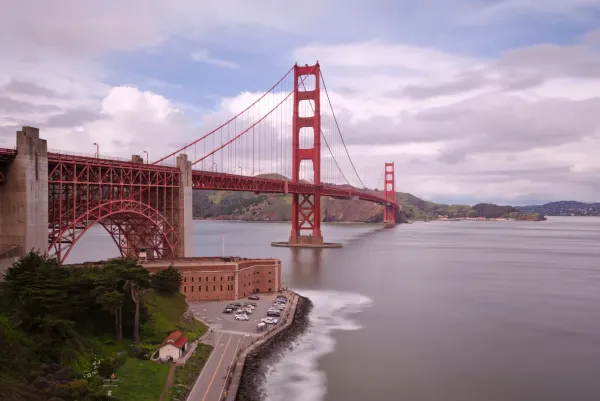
<point>242,317</point>
<point>269,320</point>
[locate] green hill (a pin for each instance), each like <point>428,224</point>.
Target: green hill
<point>63,329</point>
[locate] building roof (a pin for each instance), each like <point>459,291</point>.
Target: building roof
<point>176,339</point>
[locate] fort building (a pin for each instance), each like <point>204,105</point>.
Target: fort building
<point>222,278</point>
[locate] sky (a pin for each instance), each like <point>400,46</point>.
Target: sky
<point>474,100</point>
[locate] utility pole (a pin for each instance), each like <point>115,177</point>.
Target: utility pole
<point>223,245</point>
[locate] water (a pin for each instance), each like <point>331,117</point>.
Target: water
<point>449,311</point>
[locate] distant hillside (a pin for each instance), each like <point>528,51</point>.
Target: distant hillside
<point>563,208</point>
<point>231,205</point>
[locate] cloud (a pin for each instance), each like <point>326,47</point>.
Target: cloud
<point>202,56</point>
<point>447,95</point>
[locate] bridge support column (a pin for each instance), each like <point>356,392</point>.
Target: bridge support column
<point>306,208</point>
<point>389,211</point>
<point>185,246</point>
<point>24,196</point>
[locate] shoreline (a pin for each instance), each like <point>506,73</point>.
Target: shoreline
<point>254,371</point>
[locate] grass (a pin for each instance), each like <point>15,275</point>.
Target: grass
<point>140,380</point>
<point>167,312</point>
<point>186,375</point>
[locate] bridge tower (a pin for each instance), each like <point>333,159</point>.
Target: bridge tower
<point>389,212</point>
<point>306,208</point>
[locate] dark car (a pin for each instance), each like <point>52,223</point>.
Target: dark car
<point>254,297</point>
<point>237,304</point>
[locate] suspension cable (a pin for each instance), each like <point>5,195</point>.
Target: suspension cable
<point>339,131</point>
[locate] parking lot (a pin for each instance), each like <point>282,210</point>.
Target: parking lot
<point>212,313</point>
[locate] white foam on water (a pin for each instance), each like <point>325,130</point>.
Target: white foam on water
<point>296,375</point>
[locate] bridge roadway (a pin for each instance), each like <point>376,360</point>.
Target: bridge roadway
<point>222,181</point>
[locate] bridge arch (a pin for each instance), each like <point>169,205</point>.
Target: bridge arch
<point>130,223</point>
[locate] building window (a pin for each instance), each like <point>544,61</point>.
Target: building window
<point>269,290</point>
<point>214,287</point>
<point>192,289</point>
<point>206,288</point>
<point>221,287</point>
<point>214,278</point>
<point>184,289</point>
<point>269,281</point>
<point>192,279</point>
<point>221,278</point>
<point>199,288</point>
<point>184,279</point>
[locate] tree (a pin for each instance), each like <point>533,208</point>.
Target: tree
<point>132,278</point>
<point>167,281</point>
<point>112,302</point>
<point>35,287</point>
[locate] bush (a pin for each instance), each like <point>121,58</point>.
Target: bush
<point>140,351</point>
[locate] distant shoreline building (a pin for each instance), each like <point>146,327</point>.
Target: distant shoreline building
<point>222,278</point>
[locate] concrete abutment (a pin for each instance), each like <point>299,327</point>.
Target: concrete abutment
<point>24,196</point>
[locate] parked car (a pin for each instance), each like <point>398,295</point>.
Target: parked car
<point>254,297</point>
<point>237,304</point>
<point>269,320</point>
<point>249,306</point>
<point>242,317</point>
<point>252,303</point>
<point>228,310</point>
<point>273,313</point>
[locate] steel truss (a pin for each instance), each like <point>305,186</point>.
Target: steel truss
<point>138,204</point>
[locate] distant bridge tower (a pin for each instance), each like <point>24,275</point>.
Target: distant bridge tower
<point>306,208</point>
<point>389,212</point>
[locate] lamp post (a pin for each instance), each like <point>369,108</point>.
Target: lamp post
<point>215,166</point>
<point>97,150</point>
<point>146,152</point>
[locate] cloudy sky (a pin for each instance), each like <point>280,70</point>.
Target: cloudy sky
<point>475,100</point>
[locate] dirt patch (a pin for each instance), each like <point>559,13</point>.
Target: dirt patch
<point>254,371</point>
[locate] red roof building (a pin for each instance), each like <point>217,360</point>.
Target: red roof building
<point>174,346</point>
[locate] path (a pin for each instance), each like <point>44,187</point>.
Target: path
<point>169,382</point>
<point>211,381</point>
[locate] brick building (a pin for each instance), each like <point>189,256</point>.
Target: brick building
<point>208,279</point>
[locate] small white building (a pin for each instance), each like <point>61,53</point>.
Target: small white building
<point>173,347</point>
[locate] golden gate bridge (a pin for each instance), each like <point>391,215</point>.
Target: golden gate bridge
<point>288,141</point>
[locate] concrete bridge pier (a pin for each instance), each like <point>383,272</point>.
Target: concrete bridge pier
<point>185,247</point>
<point>24,197</point>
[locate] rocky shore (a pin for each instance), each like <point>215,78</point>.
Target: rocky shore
<point>254,371</point>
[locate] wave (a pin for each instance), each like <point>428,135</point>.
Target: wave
<point>296,376</point>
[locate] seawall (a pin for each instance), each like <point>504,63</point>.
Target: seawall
<point>247,384</point>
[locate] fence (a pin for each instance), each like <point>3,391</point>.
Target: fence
<point>238,361</point>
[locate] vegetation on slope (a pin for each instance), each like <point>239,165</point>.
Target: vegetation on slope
<point>231,205</point>
<point>65,329</point>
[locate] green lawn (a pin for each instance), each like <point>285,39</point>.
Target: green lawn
<point>141,380</point>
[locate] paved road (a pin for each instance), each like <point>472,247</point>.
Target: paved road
<point>209,385</point>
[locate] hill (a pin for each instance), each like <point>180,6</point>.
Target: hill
<point>63,329</point>
<point>231,205</point>
<point>563,208</point>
